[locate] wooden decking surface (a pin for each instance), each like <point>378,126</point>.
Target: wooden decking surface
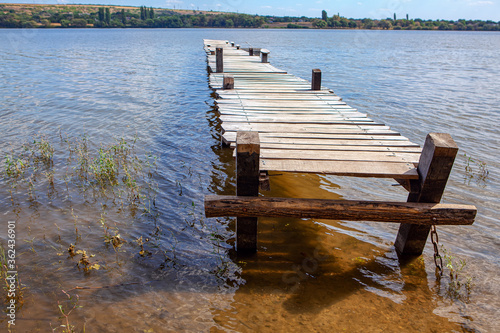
<point>302,130</point>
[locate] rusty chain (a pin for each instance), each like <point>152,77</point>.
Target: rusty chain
<point>438,260</point>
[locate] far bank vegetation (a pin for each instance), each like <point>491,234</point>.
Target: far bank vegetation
<point>92,16</point>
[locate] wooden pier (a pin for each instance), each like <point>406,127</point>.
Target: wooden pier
<point>278,122</point>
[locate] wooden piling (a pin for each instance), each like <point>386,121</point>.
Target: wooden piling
<point>264,55</point>
<point>435,164</point>
<point>237,47</point>
<point>232,44</point>
<point>250,51</point>
<point>247,184</point>
<point>219,63</point>
<point>316,79</point>
<point>228,82</point>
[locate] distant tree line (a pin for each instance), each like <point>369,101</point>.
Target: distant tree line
<point>111,17</point>
<point>74,16</point>
<point>338,22</point>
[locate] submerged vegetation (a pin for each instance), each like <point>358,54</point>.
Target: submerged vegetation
<point>88,16</point>
<point>458,284</point>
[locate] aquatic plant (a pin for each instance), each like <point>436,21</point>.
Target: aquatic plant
<point>85,261</point>
<point>67,327</point>
<point>18,294</point>
<point>460,285</point>
<point>475,169</point>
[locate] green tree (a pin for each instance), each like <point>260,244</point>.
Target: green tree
<point>324,15</point>
<point>384,24</point>
<point>124,19</point>
<point>108,15</point>
<point>320,24</point>
<point>101,14</point>
<point>395,17</point>
<point>79,23</point>
<point>143,13</point>
<point>151,13</point>
<point>64,23</point>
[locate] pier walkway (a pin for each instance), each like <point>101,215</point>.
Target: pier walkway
<point>279,122</point>
<point>300,129</point>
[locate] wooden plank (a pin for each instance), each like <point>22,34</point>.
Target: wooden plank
<point>302,128</point>
<point>378,211</point>
<point>434,168</point>
<point>339,155</point>
<point>322,147</point>
<point>343,168</point>
<point>332,138</point>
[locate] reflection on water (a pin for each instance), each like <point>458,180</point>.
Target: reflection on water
<point>176,270</point>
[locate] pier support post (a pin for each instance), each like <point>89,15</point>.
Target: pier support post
<point>237,47</point>
<point>228,82</point>
<point>434,167</point>
<point>247,184</point>
<point>232,44</point>
<point>250,51</point>
<point>264,55</point>
<point>316,79</point>
<point>219,56</point>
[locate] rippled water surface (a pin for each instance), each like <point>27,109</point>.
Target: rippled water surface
<point>148,90</point>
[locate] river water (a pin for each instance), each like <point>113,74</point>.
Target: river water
<point>175,270</point>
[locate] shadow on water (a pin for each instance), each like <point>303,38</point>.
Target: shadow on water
<point>305,277</point>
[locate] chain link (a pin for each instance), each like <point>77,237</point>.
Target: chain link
<point>438,260</point>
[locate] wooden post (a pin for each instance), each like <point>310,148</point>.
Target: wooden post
<point>237,47</point>
<point>316,79</point>
<point>436,161</point>
<point>228,82</point>
<point>219,63</point>
<point>250,51</point>
<point>264,55</point>
<point>232,44</point>
<point>247,184</point>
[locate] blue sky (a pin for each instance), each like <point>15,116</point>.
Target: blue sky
<point>376,9</point>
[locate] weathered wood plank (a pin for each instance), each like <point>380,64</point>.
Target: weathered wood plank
<point>339,155</point>
<point>343,168</point>
<point>331,138</point>
<point>377,211</point>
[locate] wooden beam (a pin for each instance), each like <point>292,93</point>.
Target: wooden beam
<point>228,82</point>
<point>247,184</point>
<point>316,79</point>
<point>219,62</point>
<point>435,164</point>
<point>401,212</point>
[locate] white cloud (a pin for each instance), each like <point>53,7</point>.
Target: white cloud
<point>173,2</point>
<point>481,3</point>
<point>266,7</point>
